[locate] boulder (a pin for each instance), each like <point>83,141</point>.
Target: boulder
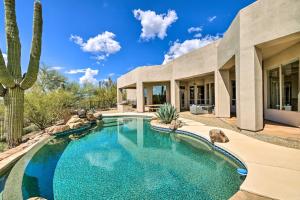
<point>154,118</point>
<point>98,115</point>
<point>217,135</point>
<point>81,113</point>
<point>74,119</point>
<point>76,125</point>
<point>91,117</point>
<point>175,124</point>
<point>57,129</point>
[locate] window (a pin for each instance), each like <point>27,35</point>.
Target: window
<point>192,95</point>
<point>212,93</point>
<point>145,96</point>
<point>274,94</point>
<point>233,90</point>
<point>290,86</point>
<point>159,94</point>
<point>182,97</point>
<point>283,87</point>
<point>207,94</point>
<point>200,94</point>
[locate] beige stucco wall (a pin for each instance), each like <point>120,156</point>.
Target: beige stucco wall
<point>243,46</point>
<point>199,62</point>
<point>131,94</point>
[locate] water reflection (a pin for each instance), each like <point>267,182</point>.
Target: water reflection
<point>38,177</point>
<point>169,151</point>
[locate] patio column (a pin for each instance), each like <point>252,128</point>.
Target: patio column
<point>139,96</point>
<point>196,94</point>
<point>119,95</point>
<point>168,93</point>
<point>149,94</point>
<point>299,89</point>
<point>175,101</point>
<point>250,86</point>
<point>119,99</point>
<point>222,107</point>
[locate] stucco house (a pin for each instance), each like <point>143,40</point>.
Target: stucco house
<point>252,72</point>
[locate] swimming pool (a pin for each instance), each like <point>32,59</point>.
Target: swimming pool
<point>126,159</point>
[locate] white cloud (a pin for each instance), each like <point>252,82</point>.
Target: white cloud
<point>89,76</point>
<point>5,57</point>
<point>76,71</point>
<point>198,35</point>
<point>154,25</point>
<point>211,19</point>
<point>178,49</point>
<point>101,45</point>
<point>194,29</point>
<point>111,74</point>
<point>57,68</point>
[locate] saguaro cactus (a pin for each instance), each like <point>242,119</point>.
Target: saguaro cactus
<point>12,83</point>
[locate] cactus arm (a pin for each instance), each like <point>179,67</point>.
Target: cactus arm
<point>12,40</point>
<point>5,77</point>
<point>35,54</point>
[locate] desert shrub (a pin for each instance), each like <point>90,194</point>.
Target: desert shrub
<point>44,109</point>
<point>166,113</point>
<point>30,129</point>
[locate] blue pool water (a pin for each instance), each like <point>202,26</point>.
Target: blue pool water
<point>126,159</point>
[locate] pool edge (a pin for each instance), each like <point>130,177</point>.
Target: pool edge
<point>15,177</point>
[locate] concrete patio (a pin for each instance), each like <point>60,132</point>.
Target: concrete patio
<point>274,174</point>
<point>274,133</point>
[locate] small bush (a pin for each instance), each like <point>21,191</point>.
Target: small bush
<point>45,109</point>
<point>30,129</point>
<point>166,113</point>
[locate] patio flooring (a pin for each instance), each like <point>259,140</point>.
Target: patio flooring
<point>273,174</point>
<point>274,133</point>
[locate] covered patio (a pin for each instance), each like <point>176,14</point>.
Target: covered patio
<point>155,95</point>
<point>197,94</point>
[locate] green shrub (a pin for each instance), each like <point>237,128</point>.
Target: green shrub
<point>44,109</point>
<point>30,129</point>
<point>166,113</point>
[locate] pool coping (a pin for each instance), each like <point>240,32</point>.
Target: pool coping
<point>15,178</point>
<point>267,177</point>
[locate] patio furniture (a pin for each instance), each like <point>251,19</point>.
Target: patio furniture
<point>152,108</point>
<point>201,109</point>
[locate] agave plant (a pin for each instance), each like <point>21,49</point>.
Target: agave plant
<point>166,113</point>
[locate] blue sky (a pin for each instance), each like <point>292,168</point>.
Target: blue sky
<point>123,34</point>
